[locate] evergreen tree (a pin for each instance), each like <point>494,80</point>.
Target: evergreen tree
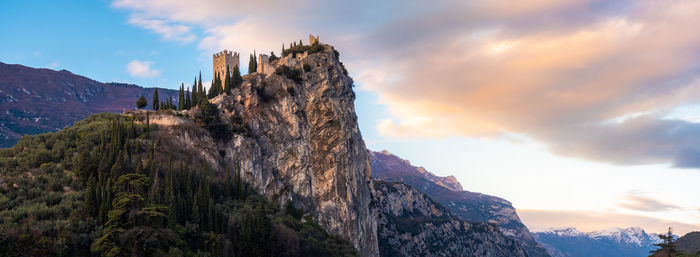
<point>156,104</point>
<point>91,205</point>
<point>141,102</point>
<point>667,245</point>
<point>188,100</point>
<point>195,93</point>
<point>300,43</point>
<point>202,92</point>
<point>236,79</point>
<point>252,64</point>
<point>227,80</point>
<point>181,98</point>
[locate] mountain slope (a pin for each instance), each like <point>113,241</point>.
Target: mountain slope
<point>689,243</point>
<point>34,101</point>
<point>409,223</point>
<point>569,242</point>
<point>469,206</point>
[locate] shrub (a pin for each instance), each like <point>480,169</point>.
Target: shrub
<point>290,73</point>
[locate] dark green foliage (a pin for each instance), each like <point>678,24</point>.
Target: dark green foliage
<point>291,73</point>
<point>208,116</point>
<point>156,101</point>
<point>181,98</point>
<point>272,57</point>
<point>252,63</point>
<point>141,102</point>
<point>107,187</point>
<point>298,49</point>
<point>667,247</point>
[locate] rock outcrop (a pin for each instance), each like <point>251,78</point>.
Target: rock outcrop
<point>411,224</point>
<point>467,205</point>
<point>297,141</point>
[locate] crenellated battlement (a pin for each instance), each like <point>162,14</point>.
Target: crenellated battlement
<point>225,60</point>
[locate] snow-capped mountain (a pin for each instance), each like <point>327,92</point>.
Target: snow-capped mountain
<point>618,242</point>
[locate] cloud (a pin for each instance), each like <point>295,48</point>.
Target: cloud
<point>169,31</point>
<point>591,79</point>
<point>640,203</point>
<point>141,69</point>
<point>586,220</point>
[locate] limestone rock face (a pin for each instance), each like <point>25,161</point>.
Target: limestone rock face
<point>470,206</point>
<point>409,223</point>
<point>297,140</point>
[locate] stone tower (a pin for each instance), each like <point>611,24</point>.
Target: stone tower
<point>225,59</point>
<point>313,40</point>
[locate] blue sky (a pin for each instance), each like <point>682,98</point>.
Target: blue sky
<point>568,109</point>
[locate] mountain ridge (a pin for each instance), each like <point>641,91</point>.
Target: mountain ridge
<point>570,242</point>
<point>469,206</point>
<point>39,100</point>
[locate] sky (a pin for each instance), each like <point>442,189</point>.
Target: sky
<point>582,113</point>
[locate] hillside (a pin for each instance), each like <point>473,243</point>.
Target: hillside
<point>467,205</point>
<point>34,101</point>
<point>689,243</point>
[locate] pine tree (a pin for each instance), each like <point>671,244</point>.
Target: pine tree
<point>156,103</point>
<point>667,245</point>
<point>141,102</point>
<point>181,98</point>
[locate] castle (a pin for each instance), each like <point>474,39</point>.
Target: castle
<point>223,60</point>
<point>230,59</point>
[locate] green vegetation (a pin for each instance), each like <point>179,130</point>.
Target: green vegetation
<point>110,186</point>
<point>155,103</point>
<point>252,64</point>
<point>300,48</point>
<point>291,73</point>
<point>141,102</point>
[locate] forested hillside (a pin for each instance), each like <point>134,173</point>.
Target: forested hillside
<point>111,186</point>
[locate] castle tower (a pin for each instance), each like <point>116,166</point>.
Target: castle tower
<point>225,59</point>
<point>313,40</point>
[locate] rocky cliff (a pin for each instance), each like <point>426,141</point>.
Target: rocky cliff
<point>467,205</point>
<point>412,224</point>
<point>296,141</point>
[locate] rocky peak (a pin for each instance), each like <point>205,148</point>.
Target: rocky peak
<point>297,141</point>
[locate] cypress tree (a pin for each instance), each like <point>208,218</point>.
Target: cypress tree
<point>227,182</point>
<point>155,100</point>
<point>188,100</point>
<point>252,67</point>
<point>227,80</point>
<point>236,79</point>
<point>181,98</point>
<point>194,92</point>
<point>200,89</point>
<point>300,43</point>
<point>91,206</point>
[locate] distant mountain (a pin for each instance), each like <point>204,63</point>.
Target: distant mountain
<point>467,205</point>
<point>34,101</point>
<point>690,243</point>
<point>615,242</point>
